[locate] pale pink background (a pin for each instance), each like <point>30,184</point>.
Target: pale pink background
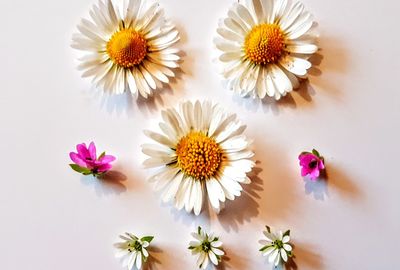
<point>51,218</point>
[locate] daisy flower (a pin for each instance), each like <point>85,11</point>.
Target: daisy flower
<point>201,151</point>
<point>86,161</point>
<point>207,247</point>
<point>265,45</point>
<point>132,250</point>
<point>127,48</point>
<point>311,164</point>
<point>276,246</point>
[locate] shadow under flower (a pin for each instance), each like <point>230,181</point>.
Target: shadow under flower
<point>189,219</point>
<point>306,257</point>
<point>110,183</point>
<point>232,261</point>
<point>334,178</point>
<point>245,207</point>
<point>153,262</point>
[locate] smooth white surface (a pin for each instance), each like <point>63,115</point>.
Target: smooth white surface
<point>51,218</point>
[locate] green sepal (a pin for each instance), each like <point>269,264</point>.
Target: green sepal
<point>215,239</point>
<point>265,247</point>
<point>190,247</point>
<point>147,238</point>
<point>268,229</point>
<point>199,230</point>
<point>102,155</point>
<point>315,152</point>
<point>287,233</point>
<point>80,169</point>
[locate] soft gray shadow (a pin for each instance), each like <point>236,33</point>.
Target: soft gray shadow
<point>111,183</point>
<point>306,256</point>
<point>190,219</point>
<point>245,207</point>
<point>115,104</point>
<point>155,102</point>
<point>301,96</point>
<point>153,261</point>
<point>318,188</point>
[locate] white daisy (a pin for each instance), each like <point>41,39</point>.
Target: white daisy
<point>127,48</point>
<point>202,151</point>
<point>265,45</point>
<point>207,247</point>
<point>276,246</point>
<point>132,251</point>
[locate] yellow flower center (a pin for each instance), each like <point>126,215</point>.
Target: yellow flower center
<point>127,48</point>
<point>198,155</point>
<point>264,44</point>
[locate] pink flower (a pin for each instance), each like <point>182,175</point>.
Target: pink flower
<point>87,162</point>
<point>311,164</point>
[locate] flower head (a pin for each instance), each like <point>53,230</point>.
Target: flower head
<point>207,247</point>
<point>201,151</point>
<point>276,246</point>
<point>127,47</point>
<point>87,162</point>
<point>311,164</point>
<point>265,46</point>
<point>132,250</point>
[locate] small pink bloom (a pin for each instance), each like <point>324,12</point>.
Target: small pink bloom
<point>311,164</point>
<point>87,162</point>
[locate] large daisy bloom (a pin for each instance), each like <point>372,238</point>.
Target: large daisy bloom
<point>127,48</point>
<point>265,45</point>
<point>207,247</point>
<point>132,250</point>
<point>201,151</point>
<point>276,246</point>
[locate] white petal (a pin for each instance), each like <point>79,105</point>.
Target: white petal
<point>139,261</point>
<point>171,190</point>
<point>273,255</point>
<point>302,48</point>
<point>284,255</point>
<point>268,250</point>
<point>286,239</point>
<point>154,70</point>
<point>295,65</point>
<point>159,138</point>
<point>213,258</point>
<point>229,35</point>
<point>281,81</point>
<point>293,13</point>
<point>217,251</point>
<point>132,258</point>
<point>300,26</point>
<point>149,79</point>
<point>245,14</point>
<point>214,192</point>
<point>199,198</point>
<point>235,143</point>
<point>216,244</point>
<point>287,247</point>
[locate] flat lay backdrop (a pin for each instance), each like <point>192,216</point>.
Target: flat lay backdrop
<point>52,218</point>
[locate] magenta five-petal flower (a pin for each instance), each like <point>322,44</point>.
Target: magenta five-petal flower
<point>311,164</point>
<point>87,162</point>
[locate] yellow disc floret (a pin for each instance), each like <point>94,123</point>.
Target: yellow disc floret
<point>264,44</point>
<point>199,156</point>
<point>127,48</point>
